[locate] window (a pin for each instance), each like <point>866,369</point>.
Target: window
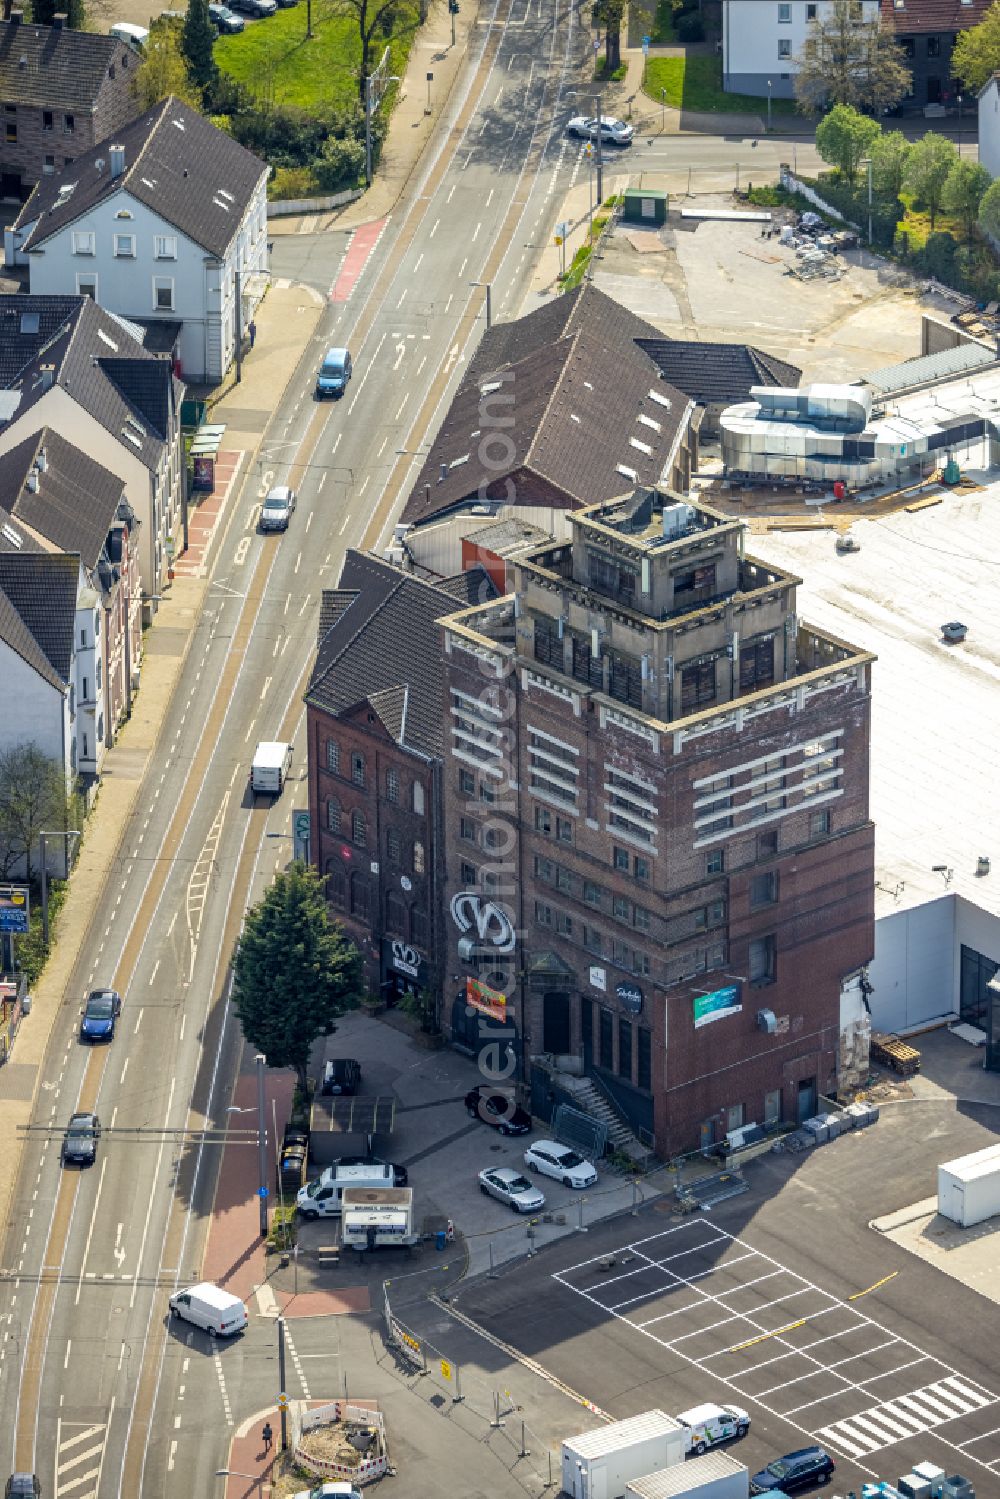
<point>467,829</point>
<point>621,860</point>
<point>548,643</point>
<point>360,895</point>
<point>714,914</point>
<point>624,1048</point>
<point>762,960</point>
<point>84,242</point>
<point>697,684</point>
<point>784,14</point>
<point>543,913</point>
<point>644,1059</point>
<point>564,880</point>
<point>86,285</point>
<point>772,1107</point>
<point>467,875</point>
<point>716,862</point>
<point>642,919</point>
<point>767,844</point>
<point>125,246</point>
<point>357,768</point>
<point>359,829</point>
<point>591,893</point>
<point>393,846</point>
<point>564,830</point>
<point>418,798</point>
<point>494,838</point>
<point>734,1117</point>
<point>392,785</point>
<point>467,785</point>
<point>395,915</point>
<point>593,941</point>
<point>785,47</point>
<point>163,293</point>
<point>640,869</point>
<point>933,46</point>
<point>906,43</point>
<point>86,747</point>
<point>418,927</point>
<point>621,909</point>
<point>69,124</point>
<point>165,246</point>
<point>49,165</point>
<point>810,12</point>
<point>486,793</point>
<point>757,658</point>
<point>764,889</point>
<point>46,119</point>
<point>336,885</point>
<point>564,924</point>
<point>625,682</point>
<point>819,824</point>
<point>332,756</point>
<point>418,858</point>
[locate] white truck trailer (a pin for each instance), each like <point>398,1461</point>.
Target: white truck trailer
<point>600,1464</point>
<point>270,766</point>
<point>714,1476</point>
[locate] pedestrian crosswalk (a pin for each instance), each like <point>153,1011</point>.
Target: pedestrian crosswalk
<point>905,1416</point>
<point>79,1455</point>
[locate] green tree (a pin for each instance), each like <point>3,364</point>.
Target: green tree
<point>964,189</point>
<point>376,20</point>
<point>610,14</point>
<point>42,12</point>
<point>844,137</point>
<point>294,972</point>
<point>164,70</point>
<point>989,211</point>
<point>845,60</point>
<point>33,799</point>
<point>927,170</point>
<point>890,153</point>
<point>975,56</point>
<point>197,41</point>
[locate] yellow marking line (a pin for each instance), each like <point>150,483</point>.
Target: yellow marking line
<point>884,1281</point>
<point>789,1327</point>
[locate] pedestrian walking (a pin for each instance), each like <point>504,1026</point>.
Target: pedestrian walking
<point>268,1436</point>
<point>253,333</point>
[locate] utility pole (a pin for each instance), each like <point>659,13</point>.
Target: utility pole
<point>600,157</point>
<point>769,105</point>
<point>239,325</point>
<point>368,131</point>
<point>185,501</point>
<point>261,1062</point>
<point>283,1412</point>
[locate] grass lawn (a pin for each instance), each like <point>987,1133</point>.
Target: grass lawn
<point>695,83</point>
<point>917,224</point>
<point>274,60</point>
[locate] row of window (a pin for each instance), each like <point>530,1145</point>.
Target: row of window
<point>593,894</point>
<point>634,1041</point>
<point>353,893</point>
<point>85,243</point>
<point>355,769</point>
<point>356,827</point>
<point>162,288</point>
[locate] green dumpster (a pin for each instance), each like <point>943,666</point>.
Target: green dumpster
<point>643,206</point>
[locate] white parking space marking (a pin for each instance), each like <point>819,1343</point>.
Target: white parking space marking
<point>759,1337</point>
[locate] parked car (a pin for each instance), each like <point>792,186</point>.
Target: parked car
<point>558,1161</point>
<point>795,1471</point>
<point>80,1140</point>
<point>341,1076</point>
<point>497,1109</point>
<point>337,1489</point>
<point>612,132</point>
<point>334,373</point>
<point>400,1175</point>
<point>711,1424</point>
<point>98,1016</point>
<point>256,8</point>
<point>294,1158</point>
<point>510,1187</point>
<point>224,19</point>
<point>276,511</point>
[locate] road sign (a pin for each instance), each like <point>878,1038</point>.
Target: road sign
<point>263,1192</point>
<point>14,908</point>
<point>645,41</point>
<point>282,1401</point>
<point>445,1369</point>
<point>645,46</point>
<point>300,836</point>
<point>597,44</point>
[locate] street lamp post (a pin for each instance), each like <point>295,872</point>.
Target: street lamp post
<point>663,110</point>
<point>66,833</point>
<point>959,124</point>
<point>769,105</point>
<point>261,1062</point>
<point>488,285</point>
<point>600,156</point>
<point>257,1478</point>
<point>866,161</point>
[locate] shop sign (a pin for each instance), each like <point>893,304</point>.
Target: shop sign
<point>492,924</point>
<point>599,979</point>
<point>491,1002</point>
<point>630,998</point>
<point>400,957</point>
<point>13,908</point>
<point>717,1005</point>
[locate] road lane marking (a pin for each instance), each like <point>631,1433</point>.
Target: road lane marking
<point>152,976</point>
<point>883,1282</point>
<point>152,1197</point>
<point>138,1021</point>
<point>263,690</point>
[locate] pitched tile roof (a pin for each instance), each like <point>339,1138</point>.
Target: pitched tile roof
<point>74,504</point>
<point>48,65</point>
<point>569,393</point>
<point>177,163</point>
<point>42,588</point>
<point>712,372</point>
<point>932,15</point>
<point>383,647</point>
<point>94,356</point>
<point>15,633</point>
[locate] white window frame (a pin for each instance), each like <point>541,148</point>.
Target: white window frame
<point>88,277</point>
<point>124,239</point>
<point>785,13</point>
<point>785,47</point>
<point>164,247</point>
<point>84,242</point>
<point>163,283</point>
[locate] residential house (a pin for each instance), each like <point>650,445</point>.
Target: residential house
<point>761,40</point>
<point>62,92</point>
<point>69,366</point>
<point>927,31</point>
<point>375,736</point>
<point>165,224</point>
<point>54,498</point>
<point>38,614</point>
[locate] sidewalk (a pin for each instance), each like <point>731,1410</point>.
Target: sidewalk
<point>285,321</point>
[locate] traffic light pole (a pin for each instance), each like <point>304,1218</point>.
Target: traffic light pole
<point>283,1401</point>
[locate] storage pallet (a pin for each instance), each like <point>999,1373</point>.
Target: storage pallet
<point>890,1051</point>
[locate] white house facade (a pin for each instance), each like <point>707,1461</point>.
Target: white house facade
<point>761,40</point>
<point>989,126</point>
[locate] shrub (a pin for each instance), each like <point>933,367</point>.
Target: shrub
<point>690,28</point>
<point>32,953</point>
<point>340,163</point>
<point>293,182</point>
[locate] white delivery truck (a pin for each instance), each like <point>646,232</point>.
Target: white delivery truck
<point>714,1476</point>
<point>710,1424</point>
<point>269,769</point>
<point>600,1464</point>
<point>377,1218</point>
<point>210,1308</point>
<point>322,1198</point>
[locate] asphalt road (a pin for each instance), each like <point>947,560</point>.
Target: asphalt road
<point>108,1401</point>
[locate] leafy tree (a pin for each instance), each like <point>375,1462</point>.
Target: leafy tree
<point>845,60</point>
<point>42,12</point>
<point>294,972</point>
<point>964,188</point>
<point>164,70</point>
<point>197,42</point>
<point>844,137</point>
<point>989,211</point>
<point>610,14</point>
<point>340,163</point>
<point>375,20</point>
<point>976,54</point>
<point>928,168</point>
<point>890,153</point>
<point>33,799</point>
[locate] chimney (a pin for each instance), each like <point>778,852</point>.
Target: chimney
<point>59,21</point>
<point>117,155</point>
<point>16,17</point>
<point>42,461</point>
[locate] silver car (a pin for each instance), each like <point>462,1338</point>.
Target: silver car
<point>512,1188</point>
<point>276,511</point>
<point>613,132</point>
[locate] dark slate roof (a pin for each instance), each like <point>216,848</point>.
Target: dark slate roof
<point>713,372</point>
<point>474,586</point>
<point>15,633</point>
<point>27,323</point>
<point>383,647</point>
<point>76,500</point>
<point>177,163</point>
<point>932,15</point>
<point>93,355</point>
<point>62,68</point>
<point>573,406</point>
<point>42,587</point>
<point>332,604</point>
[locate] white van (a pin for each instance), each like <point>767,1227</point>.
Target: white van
<point>272,762</point>
<point>214,1310</point>
<point>135,36</point>
<point>711,1424</point>
<point>322,1198</point>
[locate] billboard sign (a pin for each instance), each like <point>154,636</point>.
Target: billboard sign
<point>14,908</point>
<point>717,1005</point>
<point>491,1002</point>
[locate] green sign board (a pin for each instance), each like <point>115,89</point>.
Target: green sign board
<point>717,1005</point>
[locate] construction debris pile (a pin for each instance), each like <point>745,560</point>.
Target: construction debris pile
<point>816,248</point>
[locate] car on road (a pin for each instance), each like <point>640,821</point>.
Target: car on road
<point>497,1109</point>
<point>341,1076</point>
<point>80,1140</point>
<point>336,1490</point>
<point>613,132</point>
<point>209,1307</point>
<point>334,373</point>
<point>98,1016</point>
<point>795,1471</point>
<point>510,1187</point>
<point>551,1159</point>
<point>224,19</point>
<point>711,1424</point>
<point>400,1175</point>
<point>22,1486</point>
<point>277,509</point>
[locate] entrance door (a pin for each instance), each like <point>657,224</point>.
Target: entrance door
<point>933,90</point>
<point>806,1099</point>
<point>555,1023</point>
<point>707,1134</point>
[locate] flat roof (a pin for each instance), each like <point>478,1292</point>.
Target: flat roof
<point>603,1439</point>
<point>971,1167</point>
<point>935,760</point>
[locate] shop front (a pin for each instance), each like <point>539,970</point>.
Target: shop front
<point>405,970</point>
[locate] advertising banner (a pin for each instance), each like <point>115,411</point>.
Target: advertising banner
<point>487,1001</point>
<point>717,1005</point>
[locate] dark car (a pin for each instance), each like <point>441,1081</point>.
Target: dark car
<point>98,1016</point>
<point>22,1486</point>
<point>401,1176</point>
<point>497,1109</point>
<point>333,374</point>
<point>794,1471</point>
<point>80,1140</point>
<point>224,19</point>
<point>341,1076</point>
<point>294,1157</point>
<point>256,8</point>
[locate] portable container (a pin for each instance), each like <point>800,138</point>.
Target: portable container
<point>600,1464</point>
<point>714,1476</point>
<point>969,1187</point>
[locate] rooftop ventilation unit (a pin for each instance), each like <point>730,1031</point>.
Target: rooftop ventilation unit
<point>767,1022</point>
<point>676,519</point>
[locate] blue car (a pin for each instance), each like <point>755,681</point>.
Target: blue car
<point>334,373</point>
<point>99,1015</point>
